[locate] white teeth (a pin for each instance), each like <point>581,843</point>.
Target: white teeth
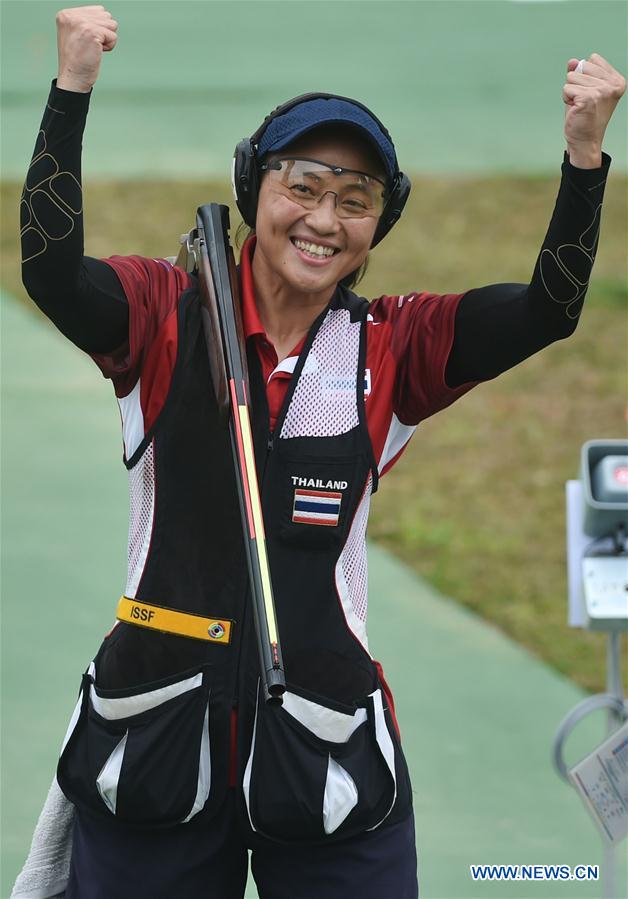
<point>313,249</point>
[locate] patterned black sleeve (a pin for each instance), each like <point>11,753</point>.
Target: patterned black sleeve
<point>500,325</point>
<point>81,295</point>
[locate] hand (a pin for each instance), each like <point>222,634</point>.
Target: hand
<point>590,99</point>
<point>83,34</point>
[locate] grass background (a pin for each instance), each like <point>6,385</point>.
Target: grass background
<point>477,503</point>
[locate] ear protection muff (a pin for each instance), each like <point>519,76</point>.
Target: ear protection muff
<point>245,174</point>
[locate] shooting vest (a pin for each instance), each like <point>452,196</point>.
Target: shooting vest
<point>149,740</point>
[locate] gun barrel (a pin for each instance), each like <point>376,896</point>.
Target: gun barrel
<point>225,338</point>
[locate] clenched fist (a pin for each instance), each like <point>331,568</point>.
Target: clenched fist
<point>590,98</point>
<point>84,33</point>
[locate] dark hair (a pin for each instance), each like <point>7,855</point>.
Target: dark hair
<point>243,232</point>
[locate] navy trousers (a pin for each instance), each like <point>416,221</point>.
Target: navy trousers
<point>209,860</point>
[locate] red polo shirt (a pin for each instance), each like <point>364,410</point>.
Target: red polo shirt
<point>409,338</point>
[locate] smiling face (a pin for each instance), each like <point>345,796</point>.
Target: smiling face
<point>290,237</point>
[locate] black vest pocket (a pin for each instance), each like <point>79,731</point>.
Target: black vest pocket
<point>142,756</point>
<point>317,773</point>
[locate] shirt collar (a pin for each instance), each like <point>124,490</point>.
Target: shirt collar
<point>250,315</point>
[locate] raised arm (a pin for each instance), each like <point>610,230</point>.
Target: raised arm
<point>82,296</point>
<point>500,325</point>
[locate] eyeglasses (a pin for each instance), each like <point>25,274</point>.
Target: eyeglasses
<point>307,181</point>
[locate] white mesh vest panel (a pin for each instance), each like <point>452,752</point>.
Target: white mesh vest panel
<point>352,570</point>
<point>324,401</point>
<point>142,510</point>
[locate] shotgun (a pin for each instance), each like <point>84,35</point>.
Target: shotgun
<point>206,252</point>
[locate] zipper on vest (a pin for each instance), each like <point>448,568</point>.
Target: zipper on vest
<point>236,683</point>
<point>270,445</point>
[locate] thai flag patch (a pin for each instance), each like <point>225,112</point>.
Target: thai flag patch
<point>316,507</point>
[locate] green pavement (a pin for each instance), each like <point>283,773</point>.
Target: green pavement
<point>477,713</point>
<point>463,86</point>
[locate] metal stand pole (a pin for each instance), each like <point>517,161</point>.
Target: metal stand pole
<point>617,713</point>
<point>614,721</point>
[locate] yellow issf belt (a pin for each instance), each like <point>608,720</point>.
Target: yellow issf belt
<point>157,618</point>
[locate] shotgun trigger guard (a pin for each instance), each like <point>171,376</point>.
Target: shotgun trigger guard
<point>188,258</point>
<point>196,247</point>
